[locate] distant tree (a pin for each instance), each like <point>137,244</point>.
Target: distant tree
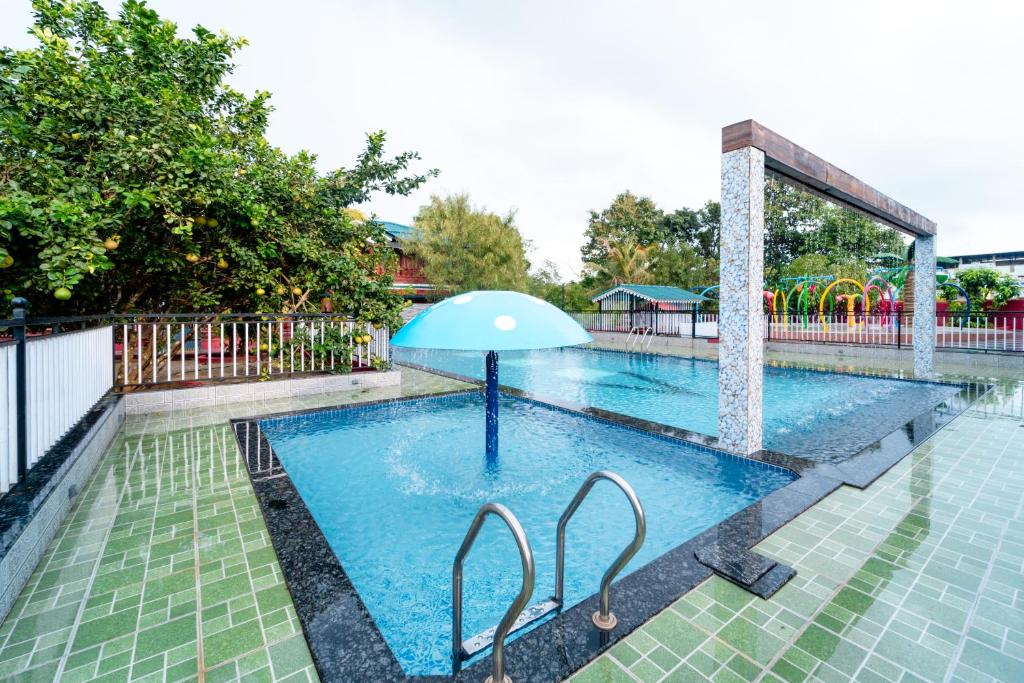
<point>789,216</point>
<point>984,284</point>
<point>698,229</point>
<point>841,233</point>
<point>465,248</point>
<point>682,266</point>
<point>625,262</point>
<point>133,178</point>
<point>546,283</point>
<point>807,264</point>
<point>629,218</point>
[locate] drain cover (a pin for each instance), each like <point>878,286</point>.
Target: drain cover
<point>277,504</point>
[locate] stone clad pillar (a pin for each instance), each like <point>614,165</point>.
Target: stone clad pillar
<point>924,306</point>
<point>741,319</point>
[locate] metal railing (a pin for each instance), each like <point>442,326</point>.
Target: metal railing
<point>156,350</point>
<point>53,371</point>
<point>975,331</point>
<point>603,618</point>
<point>674,323</point>
<point>515,609</point>
<point>968,331</point>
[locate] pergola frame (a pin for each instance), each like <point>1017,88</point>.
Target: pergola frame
<point>749,150</point>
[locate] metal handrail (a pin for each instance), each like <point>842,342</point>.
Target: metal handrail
<point>629,334</point>
<point>517,606</point>
<point>603,619</point>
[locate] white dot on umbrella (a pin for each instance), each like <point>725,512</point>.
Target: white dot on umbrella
<point>462,299</point>
<point>505,323</point>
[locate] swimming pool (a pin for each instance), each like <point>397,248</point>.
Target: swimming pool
<point>394,487</point>
<point>822,416</point>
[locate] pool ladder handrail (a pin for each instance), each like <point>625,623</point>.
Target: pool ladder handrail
<point>633,330</point>
<point>641,334</point>
<point>515,609</point>
<point>603,619</point>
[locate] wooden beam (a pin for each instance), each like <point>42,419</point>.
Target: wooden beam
<point>804,168</point>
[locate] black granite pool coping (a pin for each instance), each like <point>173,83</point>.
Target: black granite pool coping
<point>347,645</point>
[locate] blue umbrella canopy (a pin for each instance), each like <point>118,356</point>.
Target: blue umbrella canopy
<point>491,321</point>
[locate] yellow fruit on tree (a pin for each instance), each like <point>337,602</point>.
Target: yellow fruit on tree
<point>264,347</point>
<point>260,291</point>
<point>282,290</point>
<point>211,222</point>
<point>110,244</point>
<point>7,261</point>
<point>222,263</point>
<point>192,258</point>
<point>201,220</point>
<point>297,291</point>
<point>62,293</point>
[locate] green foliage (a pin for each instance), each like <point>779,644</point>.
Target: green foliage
<point>684,244</point>
<point>697,229</point>
<point>547,283</point>
<point>628,218</point>
<point>321,347</point>
<point>682,266</point>
<point>132,174</point>
<point>464,248</point>
<point>807,264</point>
<point>625,262</point>
<point>984,284</point>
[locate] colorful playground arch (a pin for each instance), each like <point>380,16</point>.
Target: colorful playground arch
<point>850,301</point>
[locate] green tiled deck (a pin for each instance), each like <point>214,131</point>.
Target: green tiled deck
<point>164,569</point>
<point>164,572</point>
<point>920,577</point>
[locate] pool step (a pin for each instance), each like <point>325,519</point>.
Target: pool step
<point>756,573</point>
<point>483,640</point>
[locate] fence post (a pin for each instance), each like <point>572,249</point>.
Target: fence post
<point>20,306</point>
<point>899,328</point>
<point>693,323</point>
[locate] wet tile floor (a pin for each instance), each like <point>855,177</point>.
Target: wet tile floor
<point>920,577</point>
<point>164,569</point>
<point>164,572</point>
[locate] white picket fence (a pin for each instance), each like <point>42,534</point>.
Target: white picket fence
<point>154,352</point>
<point>66,375</point>
<point>990,332</point>
<point>967,333</point>
<point>657,322</point>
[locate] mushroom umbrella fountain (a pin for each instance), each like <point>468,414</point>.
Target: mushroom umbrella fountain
<point>491,321</point>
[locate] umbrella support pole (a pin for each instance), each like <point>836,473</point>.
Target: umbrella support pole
<point>491,393</point>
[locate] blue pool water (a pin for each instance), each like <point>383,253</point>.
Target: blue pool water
<point>818,415</point>
<point>394,488</point>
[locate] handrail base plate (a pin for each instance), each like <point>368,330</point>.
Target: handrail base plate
<point>485,639</point>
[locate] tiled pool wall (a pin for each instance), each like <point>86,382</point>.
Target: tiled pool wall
<point>219,394</point>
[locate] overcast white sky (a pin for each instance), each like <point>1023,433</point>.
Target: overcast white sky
<point>552,108</point>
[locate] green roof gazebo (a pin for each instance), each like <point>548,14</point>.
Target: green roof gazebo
<point>648,306</point>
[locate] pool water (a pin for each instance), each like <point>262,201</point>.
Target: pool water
<point>395,486</point>
<point>824,416</point>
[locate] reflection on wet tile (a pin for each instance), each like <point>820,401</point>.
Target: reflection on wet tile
<point>163,571</point>
<point>920,576</point>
